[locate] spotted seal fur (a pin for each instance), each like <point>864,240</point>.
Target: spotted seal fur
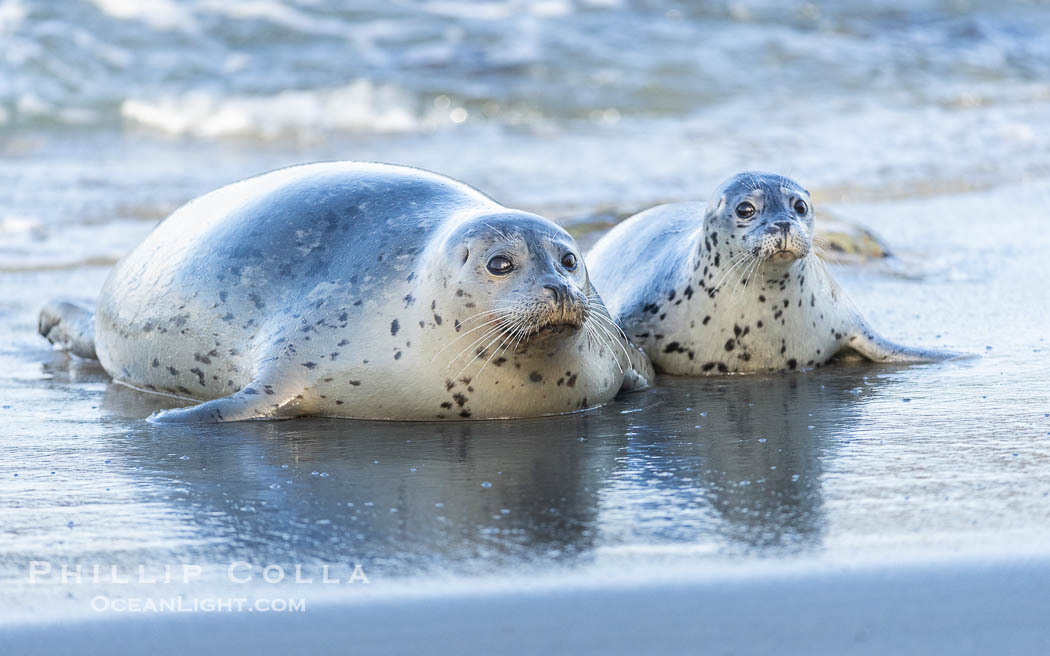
<point>733,286</point>
<point>354,290</point>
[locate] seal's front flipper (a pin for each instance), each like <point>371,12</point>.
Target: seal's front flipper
<point>641,374</point>
<point>870,346</point>
<point>245,405</point>
<point>69,326</point>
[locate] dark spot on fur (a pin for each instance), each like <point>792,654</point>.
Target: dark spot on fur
<point>156,362</point>
<point>173,371</point>
<point>309,365</point>
<point>730,344</point>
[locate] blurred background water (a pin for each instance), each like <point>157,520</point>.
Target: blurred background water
<point>113,112</point>
<point>928,121</point>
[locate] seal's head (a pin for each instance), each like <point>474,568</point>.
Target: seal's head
<point>766,215</point>
<point>520,275</point>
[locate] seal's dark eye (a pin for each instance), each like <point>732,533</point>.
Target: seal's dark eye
<point>500,265</point>
<point>800,207</point>
<point>568,261</point>
<point>745,210</point>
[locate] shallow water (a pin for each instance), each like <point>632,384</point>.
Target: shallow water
<point>925,122</point>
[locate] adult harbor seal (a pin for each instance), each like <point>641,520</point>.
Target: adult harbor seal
<point>354,290</point>
<point>733,286</point>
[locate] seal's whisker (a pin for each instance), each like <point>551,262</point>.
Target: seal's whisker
<point>612,340</point>
<point>497,231</point>
<point>607,319</point>
<point>502,308</point>
<point>608,322</point>
<point>487,334</point>
<point>506,340</point>
<point>824,252</point>
<point>461,336</point>
<point>745,277</point>
<point>514,335</point>
<point>481,351</point>
<point>733,264</point>
<point>613,343</point>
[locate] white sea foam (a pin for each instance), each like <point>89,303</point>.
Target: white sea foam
<point>358,107</point>
<point>12,13</point>
<point>158,14</point>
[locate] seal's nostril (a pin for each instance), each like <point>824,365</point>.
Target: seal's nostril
<point>554,292</point>
<point>783,225</point>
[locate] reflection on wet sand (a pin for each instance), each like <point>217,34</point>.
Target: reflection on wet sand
<point>735,463</point>
<point>490,497</point>
<point>402,497</point>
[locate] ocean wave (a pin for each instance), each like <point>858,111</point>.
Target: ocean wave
<point>358,107</point>
<point>211,68</point>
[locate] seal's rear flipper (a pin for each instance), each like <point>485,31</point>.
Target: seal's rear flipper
<point>872,347</point>
<point>244,405</point>
<point>69,326</point>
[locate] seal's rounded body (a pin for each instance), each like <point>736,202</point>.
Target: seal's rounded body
<point>733,286</point>
<point>358,290</point>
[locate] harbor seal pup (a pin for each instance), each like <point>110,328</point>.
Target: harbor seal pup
<point>354,290</point>
<point>733,286</point>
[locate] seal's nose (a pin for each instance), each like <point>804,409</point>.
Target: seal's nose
<point>784,226</point>
<point>558,292</point>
